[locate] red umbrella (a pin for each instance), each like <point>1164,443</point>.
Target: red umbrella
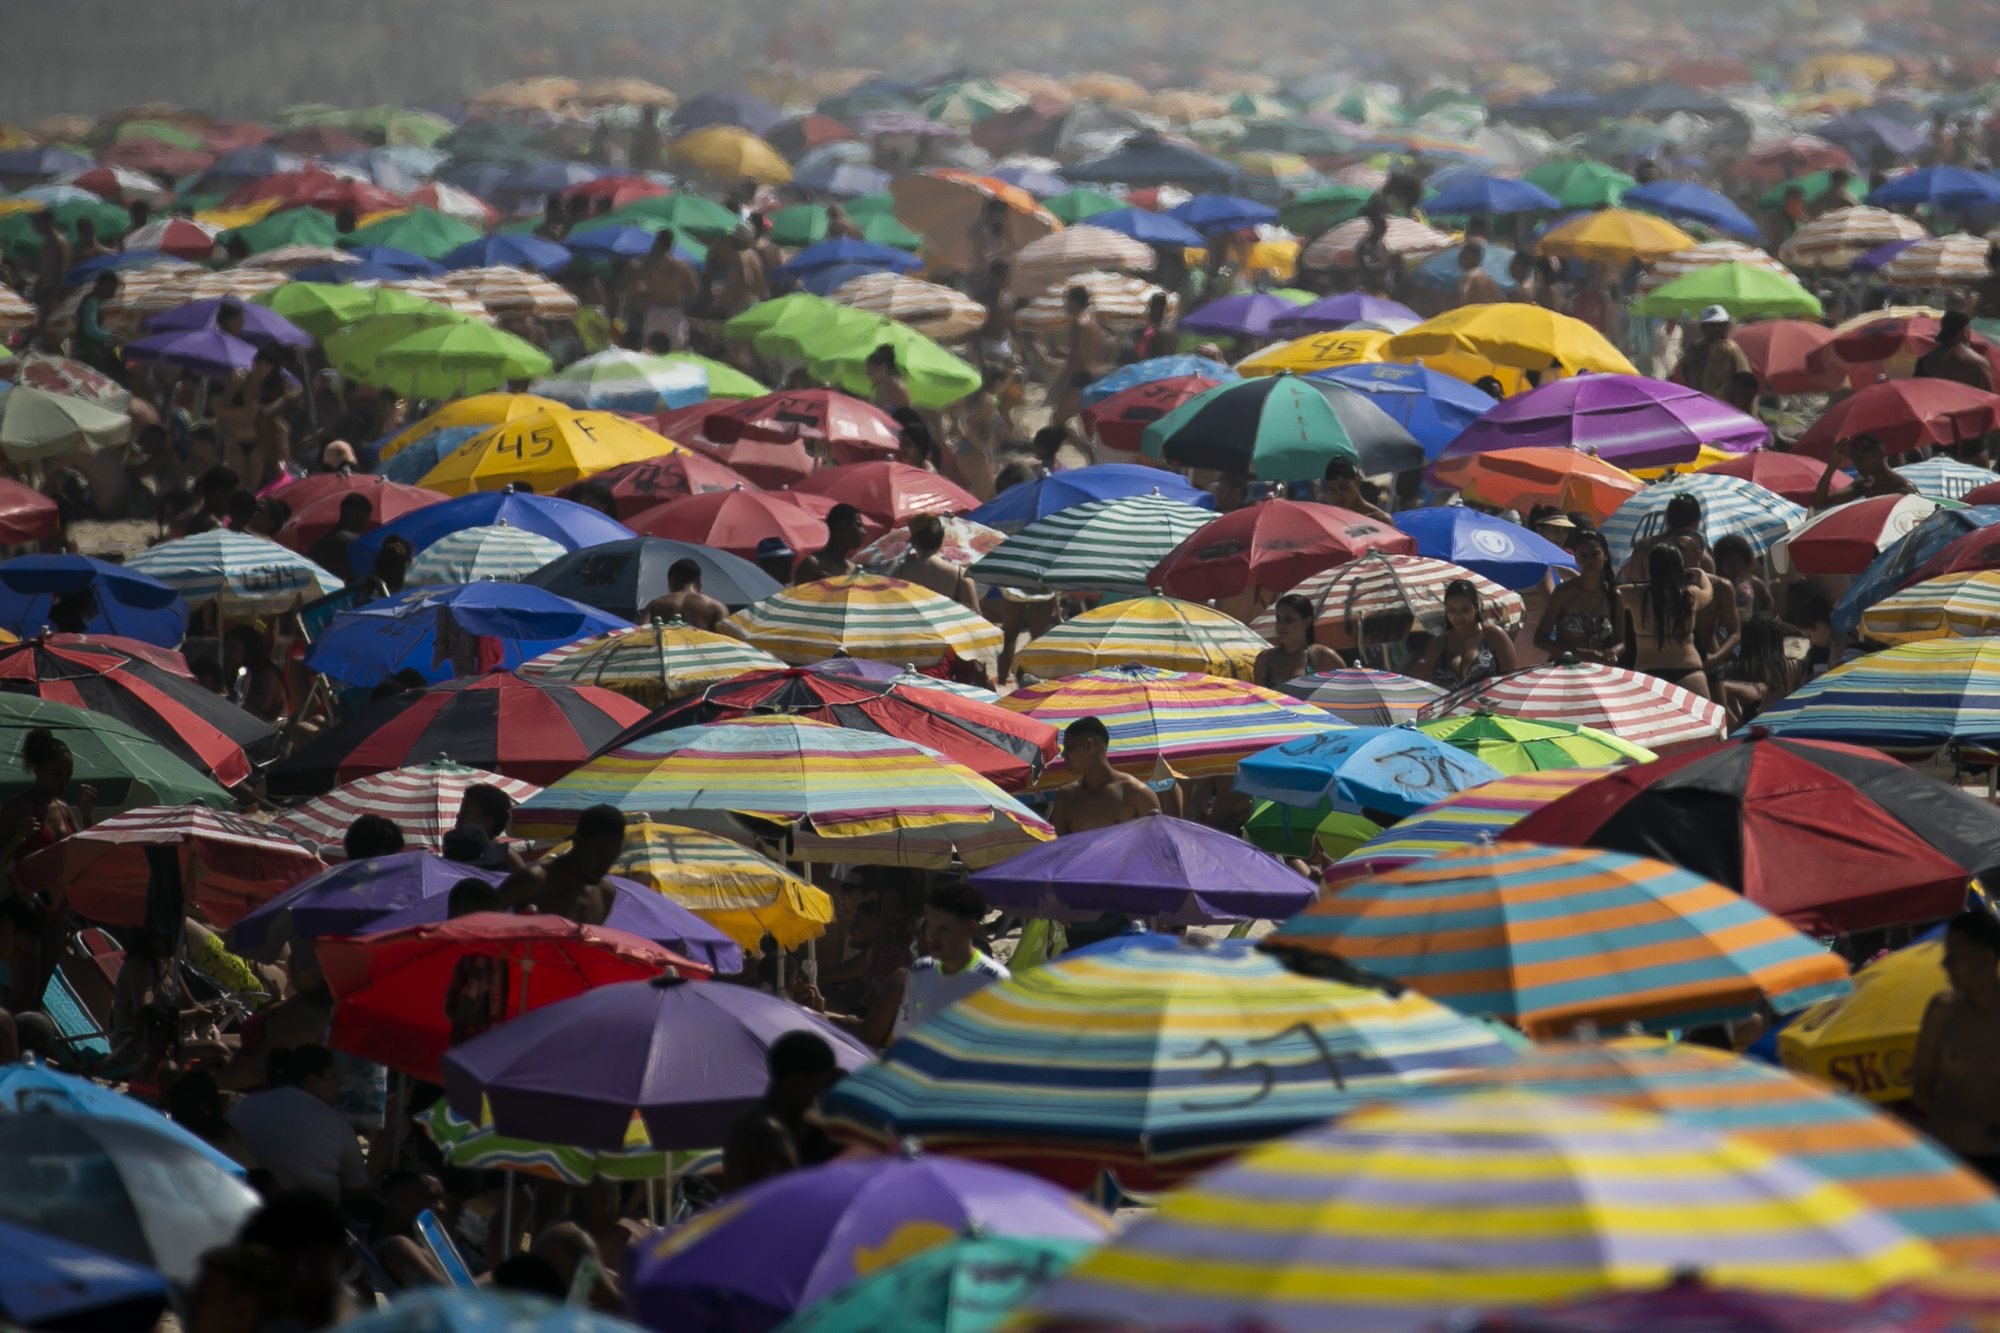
<point>1887,348</point>
<point>616,191</point>
<point>1122,418</point>
<point>764,460</point>
<point>316,501</point>
<point>229,864</point>
<point>1781,351</point>
<point>185,239</point>
<point>1277,544</point>
<point>392,990</point>
<point>203,728</point>
<point>888,494</point>
<point>1846,539</point>
<point>850,429</point>
<point>637,487</point>
<point>1989,494</point>
<point>166,659</point>
<point>1905,415</point>
<point>735,521</point>
<point>26,515</point>
<point>1976,550</point>
<point>1795,478</point>
<point>1793,155</point>
<point>316,187</point>
<point>160,159</point>
<point>319,141</point>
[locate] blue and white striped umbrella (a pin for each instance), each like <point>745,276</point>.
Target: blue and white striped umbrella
<point>1909,701</point>
<point>617,380</point>
<point>1946,477</point>
<point>473,555</point>
<point>245,575</point>
<point>1728,505</point>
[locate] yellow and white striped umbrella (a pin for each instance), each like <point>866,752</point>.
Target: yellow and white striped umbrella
<point>1835,240</point>
<point>152,291</point>
<point>1118,301</point>
<point>652,663</point>
<point>1958,260</point>
<point>512,291</point>
<point>1059,256</point>
<point>1156,631</point>
<point>932,309</point>
<point>15,313</point>
<point>1954,606</point>
<point>865,615</point>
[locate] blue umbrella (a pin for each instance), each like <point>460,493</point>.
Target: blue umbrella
<point>1396,770</point>
<point>29,1088</point>
<point>361,271</point>
<point>122,601</point>
<point>1507,553</point>
<point>50,1283</point>
<point>1471,195</point>
<point>251,164</point>
<point>1873,138</point>
<point>1337,312</point>
<point>517,251</point>
<point>414,461</point>
<point>843,180</point>
<point>845,250</point>
<point>1034,180</point>
<point>1433,407</point>
<point>480,178</point>
<point>1212,213</point>
<point>827,281</point>
<point>611,242</point>
<point>1685,201</point>
<point>209,352</point>
<point>42,163</point>
<point>565,522</point>
<point>119,262</point>
<point>363,646</point>
<point>402,261</point>
<point>1147,159</point>
<point>348,900</point>
<point>1939,187</point>
<point>1154,368</point>
<point>1244,315</point>
<point>724,107</point>
<point>261,327</point>
<point>1440,272</point>
<point>1891,569</point>
<point>551,177</point>
<point>1146,226</point>
<point>480,1310</point>
<point>1018,506</point>
<point>624,577</point>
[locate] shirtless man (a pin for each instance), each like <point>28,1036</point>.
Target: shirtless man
<point>572,885</point>
<point>1872,474</point>
<point>1089,355</point>
<point>661,290</point>
<point>741,283</point>
<point>685,601</point>
<point>1101,796</point>
<point>846,534</point>
<point>52,263</point>
<point>926,567</point>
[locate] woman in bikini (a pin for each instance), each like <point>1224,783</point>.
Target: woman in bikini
<point>1293,653</point>
<point>1660,617</point>
<point>38,818</point>
<point>1581,618</point>
<point>1469,650</point>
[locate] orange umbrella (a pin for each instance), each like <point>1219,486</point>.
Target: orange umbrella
<point>1520,478</point>
<point>942,206</point>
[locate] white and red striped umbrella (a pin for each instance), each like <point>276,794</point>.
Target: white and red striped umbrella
<point>1843,540</point>
<point>422,800</point>
<point>1118,301</point>
<point>513,291</point>
<point>1628,704</point>
<point>456,203</point>
<point>183,238</point>
<point>1406,238</point>
<point>1380,598</point>
<point>1958,260</point>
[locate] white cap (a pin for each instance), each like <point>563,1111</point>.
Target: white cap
<point>1715,314</point>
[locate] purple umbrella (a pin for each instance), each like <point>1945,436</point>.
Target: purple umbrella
<point>1880,256</point>
<point>1175,872</point>
<point>687,1058</point>
<point>1337,312</point>
<point>1246,315</point>
<point>1627,420</point>
<point>261,327</point>
<point>860,668</point>
<point>780,1247</point>
<point>210,353</point>
<point>350,898</point>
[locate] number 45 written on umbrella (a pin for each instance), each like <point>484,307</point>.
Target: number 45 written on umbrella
<point>1258,1072</point>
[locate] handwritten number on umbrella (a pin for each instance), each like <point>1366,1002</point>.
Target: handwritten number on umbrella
<point>1229,1071</point>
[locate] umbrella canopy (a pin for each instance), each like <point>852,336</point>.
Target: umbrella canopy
<point>51,1283</point>
<point>1246,315</point>
<point>653,663</point>
<point>1120,421</point>
<point>260,327</point>
<point>1947,478</point>
<point>570,525</point>
<point>738,522</point>
<point>1962,605</point>
<point>29,1088</point>
<point>617,380</point>
<point>1910,701</point>
<point>1628,420</point>
<point>968,1285</point>
<point>1550,938</point>
<point>1865,1043</point>
<point>1403,238</point>
<point>35,424</point>
<point>941,205</point>
<point>996,1076</point>
<point>1475,338</point>
<point>1317,352</point>
<point>1614,236</point>
<point>934,310</point>
<point>1939,261</point>
<point>1519,745</point>
<point>421,231</point>
<point>625,577</point>
<point>1522,478</point>
<point>1478,195</point>
<point>964,543</point>
<point>1632,706</point>
<point>125,766</point>
<point>729,153</point>
<point>1154,368</point>
<point>1846,539</point>
<point>1273,545</point>
<point>1281,428</point>
<point>1940,188</point>
<point>545,451</point>
<point>1729,506</point>
<point>241,574</point>
<point>1746,292</point>
<point>1477,816</point>
<point>209,353</point>
<point>849,428</point>
<point>1362,697</point>
<point>889,493</point>
<point>1783,352</point>
<point>1395,770</point>
<point>864,615</point>
<point>1581,183</point>
<point>1150,631</point>
<point>1905,415</point>
<point>1110,544</point>
<point>1021,505</point>
<point>1382,598</point>
<point>1834,240</point>
<point>1507,553</point>
<point>316,503</point>
<point>843,794</point>
<point>1331,313</point>
<point>1788,475</point>
<point>452,629</point>
<point>422,800</point>
<point>444,360</point>
<point>1433,407</point>
<point>478,554</point>
<point>741,893</point>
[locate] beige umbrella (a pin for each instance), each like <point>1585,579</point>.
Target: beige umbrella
<point>1119,301</point>
<point>1835,240</point>
<point>1103,86</point>
<point>1706,255</point>
<point>1185,106</point>
<point>542,92</point>
<point>445,294</point>
<point>1079,249</point>
<point>291,258</point>
<point>512,291</point>
<point>942,206</point>
<point>1032,84</point>
<point>624,92</point>
<point>1958,260</point>
<point>15,313</point>
<point>1406,238</point>
<point>934,310</point>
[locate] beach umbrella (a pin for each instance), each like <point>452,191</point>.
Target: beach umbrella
<point>1847,538</point>
<point>71,379</point>
<point>1905,415</point>
<point>1581,183</point>
<point>127,767</point>
<point>1747,293</point>
<point>446,360</point>
<point>239,573</point>
<point>26,515</point>
<point>260,328</point>
<point>942,204</point>
<point>120,602</point>
<point>888,493</point>
<point>1080,205</point>
<point>1332,313</point>
<point>1273,545</point>
<point>1627,420</point>
<point>1381,598</point>
<point>1001,746</point>
<point>316,502</point>
<point>1865,1043</point>
<point>1475,195</point>
<point>453,629</point>
<point>841,180</point>
<point>322,309</point>
<point>1021,505</point>
<point>623,381</point>
<point>1507,553</point>
<point>467,1310</point>
<point>1361,697</point>
<point>1322,832</point>
<point>350,896</point>
<point>420,231</point>
<point>37,424</point>
<point>729,153</point>
<point>1109,544</point>
<point>964,543</point>
<point>1522,478</point>
<point>1785,355</point>
<point>995,1076</point>
<point>52,1283</point>
<point>1153,368</point>
<point>570,525</point>
<point>1641,709</point>
<point>1946,478</point>
<point>28,1087</point>
<point>1476,338</point>
<point>936,378</point>
<point>1613,235</point>
<point>1150,631</point>
<point>1863,842</point>
<point>1395,770</point>
<point>467,416</point>
<point>934,310</point>
<point>1119,422</point>
<point>1964,605</point>
<point>1730,506</point>
<point>652,663</point>
<point>1939,188</point>
<point>1433,407</point>
<point>209,353</point>
<point>1404,238</point>
<point>548,450</point>
<point>1911,700</point>
<point>479,554</point>
<point>844,251</point>
<point>737,522</point>
<point>1787,475</point>
<point>511,291</point>
<point>1170,723</point>
<point>1476,816</point>
<point>1834,240</point>
<point>741,893</point>
<point>423,801</point>
<point>625,577</point>
<point>851,429</point>
<point>1691,202</point>
<point>1119,302</point>
<point>844,795</point>
<point>1938,261</point>
<point>1281,428</point>
<point>968,1285</point>
<point>1148,229</point>
<point>1709,254</point>
<point>1317,352</point>
<point>1522,745</point>
<point>864,615</point>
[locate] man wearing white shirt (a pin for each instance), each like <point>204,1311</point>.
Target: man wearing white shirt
<point>951,968</point>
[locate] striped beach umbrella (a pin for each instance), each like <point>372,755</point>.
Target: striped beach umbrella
<point>241,574</point>
<point>422,800</point>
<point>652,663</point>
<point>1729,506</point>
<point>1154,631</point>
<point>1524,745</point>
<point>1963,605</point>
<point>1630,705</point>
<point>1152,1059</point>
<point>1946,478</point>
<point>841,795</point>
<point>618,380</point>
<point>1105,545</point>
<point>865,615</point>
<point>1835,240</point>
<point>1382,599</point>
<point>1399,1215</point>
<point>1363,697</point>
<point>932,309</point>
<point>1169,723</point>
<point>1846,538</point>
<point>1547,938</point>
<point>1119,303</point>
<point>1957,260</point>
<point>1706,255</point>
<point>1909,701</point>
<point>482,1148</point>
<point>1888,1164</point>
<point>1469,818</point>
<point>512,291</point>
<point>493,551</point>
<point>1066,257</point>
<point>1405,238</point>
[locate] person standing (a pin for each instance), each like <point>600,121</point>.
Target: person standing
<point>332,551</point>
<point>1089,356</point>
<point>660,292</point>
<point>1101,796</point>
<point>951,967</point>
<point>1955,1079</point>
<point>1713,359</point>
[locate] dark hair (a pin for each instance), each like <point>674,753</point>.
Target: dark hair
<point>1760,654</point>
<point>252,1269</point>
<point>1683,511</point>
<point>356,505</point>
<point>1340,468</point>
<point>1806,606</point>
<point>601,821</point>
<point>466,845</point>
<point>296,1220</point>
<point>1087,728</point>
<point>885,357</point>
<point>195,1104</point>
<point>1049,439</point>
<point>1733,544</point>
<point>371,835</point>
<point>1301,606</point>
<point>530,1273</point>
<point>960,900</point>
<point>1975,927</point>
<point>489,800</point>
<point>1668,596</point>
<point>594,493</point>
<point>40,748</point>
<point>841,515</point>
<point>1953,325</point>
<point>926,533</point>
<point>295,1064</point>
<point>1078,296</point>
<point>246,637</point>
<point>683,572</point>
<point>799,1053</point>
<point>1469,590</point>
<point>470,895</point>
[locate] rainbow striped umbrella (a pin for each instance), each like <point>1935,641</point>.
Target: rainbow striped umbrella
<point>479,1148</point>
<point>652,663</point>
<point>1888,1164</point>
<point>1169,723</point>
<point>1474,816</point>
<point>1729,506</point>
<point>1550,937</point>
<point>1105,545</point>
<point>1364,697</point>
<point>1642,709</point>
<point>1909,701</point>
<point>422,800</point>
<point>1964,605</point>
<point>1152,631</point>
<point>839,794</point>
<point>1385,598</point>
<point>1400,1215</point>
<point>865,615</point>
<point>1521,745</point>
<point>1154,1059</point>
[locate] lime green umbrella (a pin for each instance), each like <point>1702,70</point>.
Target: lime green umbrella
<point>158,131</point>
<point>352,350</point>
<point>968,1285</point>
<point>936,378</point>
<point>127,767</point>
<point>291,226</point>
<point>1746,291</point>
<point>787,325</point>
<point>455,360</point>
<point>1316,210</point>
<point>479,1148</point>
<point>688,214</point>
<point>1518,745</point>
<point>805,224</point>
<point>1812,186</point>
<point>1073,206</point>
<point>1581,182</point>
<point>400,127</point>
<point>421,231</point>
<point>309,113</point>
<point>1285,830</point>
<point>724,380</point>
<point>871,205</point>
<point>324,308</point>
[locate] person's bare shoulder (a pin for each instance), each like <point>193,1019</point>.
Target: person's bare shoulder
<point>1136,794</point>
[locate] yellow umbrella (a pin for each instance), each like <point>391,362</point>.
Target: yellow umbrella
<point>1615,235</point>
<point>548,450</point>
<point>1708,457</point>
<point>1317,351</point>
<point>726,152</point>
<point>482,409</point>
<point>1467,342</point>
<point>1278,258</point>
<point>1864,1043</point>
<point>865,615</point>
<point>229,219</point>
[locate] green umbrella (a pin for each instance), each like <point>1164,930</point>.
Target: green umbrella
<point>291,226</point>
<point>936,378</point>
<point>35,423</point>
<point>1259,106</point>
<point>421,231</point>
<point>109,219</point>
<point>400,127</point>
<point>159,131</point>
<point>724,380</point>
<point>455,360</point>
<point>1581,183</point>
<point>324,308</point>
<point>1273,427</point>
<point>805,224</point>
<point>688,214</point>
<point>479,1148</point>
<point>1812,185</point>
<point>126,767</point>
<point>352,351</point>
<point>1746,291</point>
<point>871,205</point>
<point>1073,206</point>
<point>309,113</point>
<point>790,325</point>
<point>1520,745</point>
<point>1316,210</point>
<point>968,1285</point>
<point>972,101</point>
<point>1285,830</point>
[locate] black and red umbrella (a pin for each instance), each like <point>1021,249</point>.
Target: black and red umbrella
<point>526,727</point>
<point>637,487</point>
<point>1833,838</point>
<point>1121,419</point>
<point>1005,747</point>
<point>138,688</point>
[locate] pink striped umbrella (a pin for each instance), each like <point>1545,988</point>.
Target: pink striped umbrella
<point>1381,597</point>
<point>422,800</point>
<point>1629,704</point>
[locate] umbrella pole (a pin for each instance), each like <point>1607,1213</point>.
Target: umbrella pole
<point>507,1217</point>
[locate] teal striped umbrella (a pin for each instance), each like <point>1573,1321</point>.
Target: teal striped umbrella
<point>1281,428</point>
<point>479,1148</point>
<point>1909,701</point>
<point>1729,505</point>
<point>245,575</point>
<point>471,555</point>
<point>1106,545</point>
